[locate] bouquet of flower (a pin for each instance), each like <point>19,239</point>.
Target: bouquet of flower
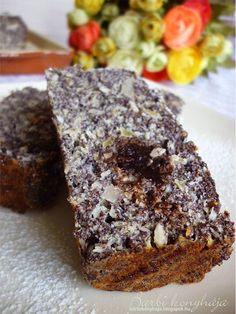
<point>158,39</point>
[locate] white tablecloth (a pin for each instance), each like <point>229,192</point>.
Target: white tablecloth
<point>217,91</point>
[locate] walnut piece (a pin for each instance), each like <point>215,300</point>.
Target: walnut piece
<point>160,237</point>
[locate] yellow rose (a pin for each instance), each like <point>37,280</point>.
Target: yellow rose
<point>85,60</point>
<point>212,45</point>
<point>184,65</point>
<point>126,59</point>
<point>90,6</point>
<point>152,27</point>
<point>103,49</point>
<point>124,31</point>
<point>148,5</point>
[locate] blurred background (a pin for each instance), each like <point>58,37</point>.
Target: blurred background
<point>47,17</point>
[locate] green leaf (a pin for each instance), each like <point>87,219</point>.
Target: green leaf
<point>205,73</point>
<point>228,63</point>
<point>221,27</point>
<point>212,65</point>
<point>222,8</point>
<point>170,4</point>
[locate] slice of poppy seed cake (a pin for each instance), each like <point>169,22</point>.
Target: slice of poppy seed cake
<point>30,163</point>
<point>145,205</point>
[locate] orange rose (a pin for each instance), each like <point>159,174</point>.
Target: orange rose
<point>83,37</point>
<point>183,27</point>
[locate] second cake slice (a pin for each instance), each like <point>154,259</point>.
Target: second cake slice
<point>146,209</point>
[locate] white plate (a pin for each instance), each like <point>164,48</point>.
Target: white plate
<point>39,270</point>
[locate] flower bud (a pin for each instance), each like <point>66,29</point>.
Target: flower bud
<point>133,4</point>
<point>226,52</point>
<point>110,11</point>
<point>85,60</point>
<point>212,45</point>
<point>78,17</point>
<point>152,27</point>
<point>146,48</point>
<point>92,7</point>
<point>103,49</point>
<point>124,31</point>
<point>157,62</point>
<point>149,5</point>
<point>126,59</point>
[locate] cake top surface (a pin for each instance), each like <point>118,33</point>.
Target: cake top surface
<point>134,179</point>
<point>26,131</point>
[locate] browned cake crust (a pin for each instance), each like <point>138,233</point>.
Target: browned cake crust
<point>28,186</point>
<point>184,262</point>
<point>29,156</point>
<point>146,209</point>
